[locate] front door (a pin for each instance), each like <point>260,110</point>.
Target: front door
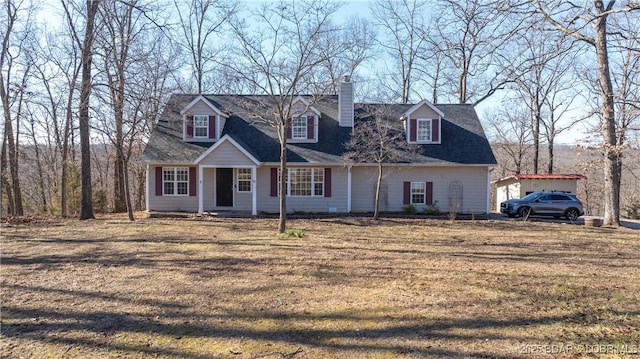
<point>224,187</point>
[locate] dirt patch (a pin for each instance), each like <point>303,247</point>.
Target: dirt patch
<point>350,287</point>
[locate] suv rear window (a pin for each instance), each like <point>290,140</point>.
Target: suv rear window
<point>560,197</point>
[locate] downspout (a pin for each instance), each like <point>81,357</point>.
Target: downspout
<point>349,189</point>
<point>254,197</point>
<point>147,184</point>
<point>488,209</point>
<point>200,190</point>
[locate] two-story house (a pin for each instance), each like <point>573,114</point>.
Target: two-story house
<point>210,153</point>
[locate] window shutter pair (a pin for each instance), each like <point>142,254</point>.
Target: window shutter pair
<point>435,130</point>
<point>310,128</point>
<point>212,126</point>
<point>192,181</point>
<point>407,193</point>
<point>274,182</point>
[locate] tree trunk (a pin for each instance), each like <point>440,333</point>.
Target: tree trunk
<point>612,156</point>
<point>36,148</point>
<point>282,227</point>
<point>376,205</point>
<point>550,151</point>
<point>127,190</point>
<point>12,152</point>
<point>86,201</point>
<point>119,182</point>
<point>536,139</point>
<point>65,153</point>
<point>11,208</point>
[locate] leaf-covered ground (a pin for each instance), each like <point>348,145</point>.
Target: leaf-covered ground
<point>231,288</point>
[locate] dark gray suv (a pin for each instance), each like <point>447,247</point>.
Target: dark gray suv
<point>556,204</point>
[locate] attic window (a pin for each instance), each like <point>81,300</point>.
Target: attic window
<point>424,130</point>
<point>201,125</point>
<point>299,128</point>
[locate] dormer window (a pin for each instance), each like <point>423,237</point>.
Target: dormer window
<point>201,126</point>
<point>202,120</point>
<point>303,129</point>
<point>423,123</point>
<point>299,128</point>
<point>424,130</point>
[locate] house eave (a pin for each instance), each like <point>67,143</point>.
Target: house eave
<point>207,102</point>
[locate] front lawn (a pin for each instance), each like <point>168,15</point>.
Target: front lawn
<point>232,288</point>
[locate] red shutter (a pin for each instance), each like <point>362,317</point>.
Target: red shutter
<point>192,181</point>
<point>311,133</point>
<point>327,182</point>
<point>413,130</point>
<point>435,130</point>
<point>212,126</point>
<point>289,130</point>
<point>158,181</point>
<point>429,199</point>
<point>274,182</point>
<point>407,193</point>
<point>189,126</point>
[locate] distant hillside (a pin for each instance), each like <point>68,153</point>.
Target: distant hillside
<point>586,161</point>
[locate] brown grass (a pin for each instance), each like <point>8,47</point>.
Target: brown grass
<point>231,288</point>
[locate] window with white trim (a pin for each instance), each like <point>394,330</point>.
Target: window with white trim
<point>200,126</point>
<point>299,127</point>
<point>418,192</point>
<point>305,182</point>
<point>244,180</point>
<point>175,181</point>
<point>423,130</point>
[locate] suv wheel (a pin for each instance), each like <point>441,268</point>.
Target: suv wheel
<point>524,212</point>
<point>572,214</point>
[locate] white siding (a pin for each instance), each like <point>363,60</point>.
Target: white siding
<point>241,200</point>
<point>338,199</point>
<point>169,203</point>
<point>507,190</point>
<point>424,112</point>
<point>226,155</point>
<point>474,181</point>
<point>201,108</point>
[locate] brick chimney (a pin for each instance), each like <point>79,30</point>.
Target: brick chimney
<point>345,102</point>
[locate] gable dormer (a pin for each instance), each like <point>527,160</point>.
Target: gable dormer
<point>423,123</point>
<point>303,123</point>
<point>202,121</point>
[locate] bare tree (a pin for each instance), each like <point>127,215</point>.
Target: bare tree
<point>86,201</point>
<point>16,34</point>
<point>510,134</point>
<point>544,76</point>
<point>278,49</point>
<point>580,22</point>
<point>403,22</point>
<point>376,140</point>
<point>354,43</point>
<point>471,35</point>
<point>200,22</point>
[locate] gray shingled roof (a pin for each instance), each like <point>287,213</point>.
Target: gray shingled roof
<point>463,139</point>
